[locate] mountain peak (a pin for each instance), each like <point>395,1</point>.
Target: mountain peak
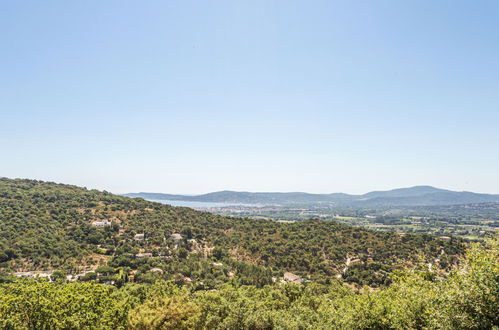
<point>404,192</point>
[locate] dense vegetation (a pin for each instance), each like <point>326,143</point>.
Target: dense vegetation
<point>48,226</point>
<point>464,299</point>
<point>154,266</point>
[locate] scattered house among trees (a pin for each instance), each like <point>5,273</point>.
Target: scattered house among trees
<point>217,265</point>
<point>156,270</point>
<point>103,223</point>
<point>143,255</point>
<point>35,274</point>
<point>290,277</point>
<point>176,237</point>
<point>139,237</point>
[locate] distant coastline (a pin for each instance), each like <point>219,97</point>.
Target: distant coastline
<point>191,204</point>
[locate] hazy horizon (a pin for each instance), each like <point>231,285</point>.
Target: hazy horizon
<point>191,97</point>
<point>256,191</point>
<point>299,191</point>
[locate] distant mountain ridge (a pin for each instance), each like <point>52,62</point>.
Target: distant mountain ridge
<point>413,196</point>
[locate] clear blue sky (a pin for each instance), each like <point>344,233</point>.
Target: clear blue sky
<point>196,96</point>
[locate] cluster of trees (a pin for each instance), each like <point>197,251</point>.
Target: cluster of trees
<point>418,299</point>
<point>48,226</point>
<point>197,272</point>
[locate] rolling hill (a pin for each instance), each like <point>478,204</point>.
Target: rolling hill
<point>55,226</point>
<point>123,263</point>
<point>414,196</point>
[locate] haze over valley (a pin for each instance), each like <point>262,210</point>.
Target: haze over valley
<point>420,209</point>
<point>414,196</point>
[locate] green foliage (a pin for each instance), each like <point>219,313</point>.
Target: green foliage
<point>90,276</point>
<point>58,275</point>
<point>164,313</point>
<point>48,226</point>
<point>105,270</point>
<point>30,304</point>
<point>466,299</point>
<point>221,274</point>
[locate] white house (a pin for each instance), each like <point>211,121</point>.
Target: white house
<point>139,237</point>
<point>103,223</point>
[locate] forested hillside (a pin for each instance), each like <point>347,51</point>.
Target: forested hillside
<point>464,299</point>
<point>119,263</point>
<point>50,226</point>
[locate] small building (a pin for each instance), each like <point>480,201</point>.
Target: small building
<point>35,274</point>
<point>139,237</point>
<point>24,274</point>
<point>103,223</point>
<point>143,255</point>
<point>293,278</point>
<point>176,237</point>
<point>156,270</point>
